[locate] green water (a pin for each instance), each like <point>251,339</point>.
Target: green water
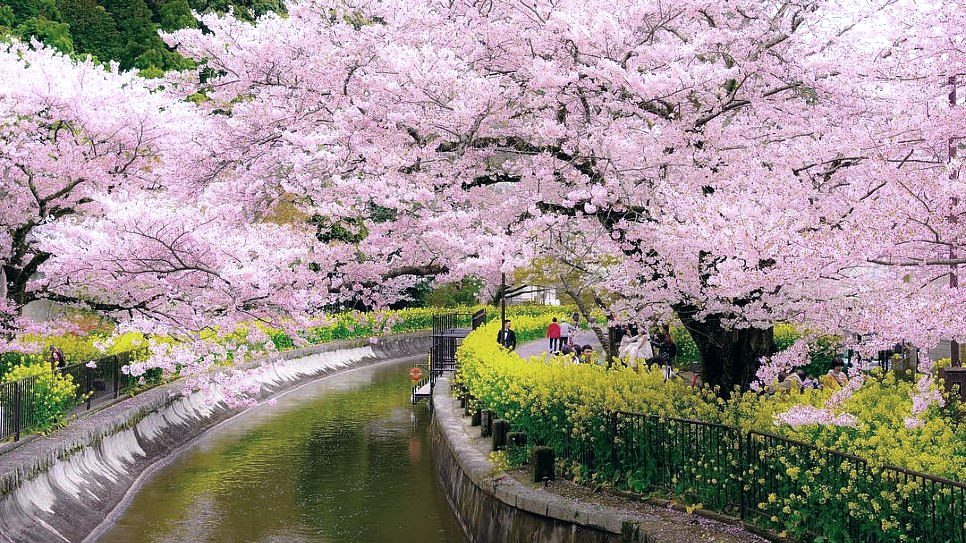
<point>346,459</point>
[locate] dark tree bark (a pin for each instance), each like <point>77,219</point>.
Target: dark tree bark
<point>729,357</point>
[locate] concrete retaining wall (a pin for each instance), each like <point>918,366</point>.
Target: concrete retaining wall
<point>62,487</point>
<point>495,507</point>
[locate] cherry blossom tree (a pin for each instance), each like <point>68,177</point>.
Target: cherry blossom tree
<point>731,164</point>
<point>742,171</point>
<point>71,131</point>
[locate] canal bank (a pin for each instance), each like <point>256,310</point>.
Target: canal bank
<point>61,487</point>
<point>493,505</point>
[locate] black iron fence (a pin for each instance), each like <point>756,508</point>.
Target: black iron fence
<point>782,485</point>
<point>449,329</point>
<point>32,403</point>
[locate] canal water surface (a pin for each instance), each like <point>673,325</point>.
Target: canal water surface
<point>344,459</point>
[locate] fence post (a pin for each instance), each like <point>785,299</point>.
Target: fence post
<point>743,447</point>
<point>17,407</point>
<point>89,385</point>
<point>614,457</point>
<point>117,376</point>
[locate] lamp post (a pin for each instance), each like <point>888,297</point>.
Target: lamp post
<point>953,175</point>
<point>502,298</point>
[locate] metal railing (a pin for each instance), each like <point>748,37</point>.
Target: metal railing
<point>766,480</point>
<point>25,404</point>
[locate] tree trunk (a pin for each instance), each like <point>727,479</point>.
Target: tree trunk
<point>585,312</point>
<point>15,286</point>
<point>729,357</point>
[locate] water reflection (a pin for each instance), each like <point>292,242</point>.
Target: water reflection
<point>345,459</point>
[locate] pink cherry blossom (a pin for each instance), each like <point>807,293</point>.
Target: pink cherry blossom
<point>732,164</point>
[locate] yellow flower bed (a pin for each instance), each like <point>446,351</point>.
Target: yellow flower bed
<point>804,490</point>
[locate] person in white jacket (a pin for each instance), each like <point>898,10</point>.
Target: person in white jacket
<point>637,350</point>
<point>565,332</point>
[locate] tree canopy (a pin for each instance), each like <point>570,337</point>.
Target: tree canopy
<point>733,165</point>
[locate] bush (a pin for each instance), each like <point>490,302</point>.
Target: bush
<point>552,399</point>
<point>570,409</point>
<point>52,397</point>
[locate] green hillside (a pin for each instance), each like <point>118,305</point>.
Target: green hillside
<point>122,30</point>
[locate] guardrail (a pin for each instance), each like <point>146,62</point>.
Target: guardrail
<point>25,404</point>
<point>764,479</point>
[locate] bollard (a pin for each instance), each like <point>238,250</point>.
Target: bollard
<point>486,423</point>
<point>500,430</point>
<point>475,418</point>
<point>543,461</point>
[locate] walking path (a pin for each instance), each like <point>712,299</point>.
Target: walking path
<point>541,346</point>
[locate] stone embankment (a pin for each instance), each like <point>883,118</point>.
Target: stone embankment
<point>497,506</point>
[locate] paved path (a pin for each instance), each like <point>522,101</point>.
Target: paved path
<point>540,346</point>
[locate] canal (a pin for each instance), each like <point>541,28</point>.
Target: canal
<point>343,459</point>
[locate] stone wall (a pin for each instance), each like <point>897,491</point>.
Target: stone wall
<point>495,507</point>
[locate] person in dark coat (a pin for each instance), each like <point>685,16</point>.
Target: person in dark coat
<point>507,337</point>
<point>57,358</point>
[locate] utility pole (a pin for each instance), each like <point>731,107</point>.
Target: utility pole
<point>953,176</point>
<point>502,298</point>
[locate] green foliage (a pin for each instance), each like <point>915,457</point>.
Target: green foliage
<point>245,10</point>
<point>456,294</point>
<point>26,9</point>
<point>125,31</point>
<point>52,33</point>
<point>687,349</point>
<point>175,14</point>
<point>52,396</point>
<point>93,29</point>
<point>140,45</point>
<point>7,17</point>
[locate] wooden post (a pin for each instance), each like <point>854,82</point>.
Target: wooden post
<point>500,430</point>
<point>486,423</point>
<point>543,461</point>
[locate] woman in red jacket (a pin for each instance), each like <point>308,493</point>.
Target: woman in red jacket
<point>553,332</point>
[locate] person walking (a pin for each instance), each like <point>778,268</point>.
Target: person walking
<point>507,337</point>
<point>553,332</point>
<point>565,332</point>
<point>670,348</point>
<point>57,358</point>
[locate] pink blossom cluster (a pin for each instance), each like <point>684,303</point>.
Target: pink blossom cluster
<point>805,415</point>
<point>786,361</point>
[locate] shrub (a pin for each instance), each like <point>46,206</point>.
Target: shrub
<point>52,396</point>
<point>808,492</point>
<point>552,399</point>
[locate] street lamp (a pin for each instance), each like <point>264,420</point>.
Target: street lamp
<point>953,175</point>
<point>502,298</point>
